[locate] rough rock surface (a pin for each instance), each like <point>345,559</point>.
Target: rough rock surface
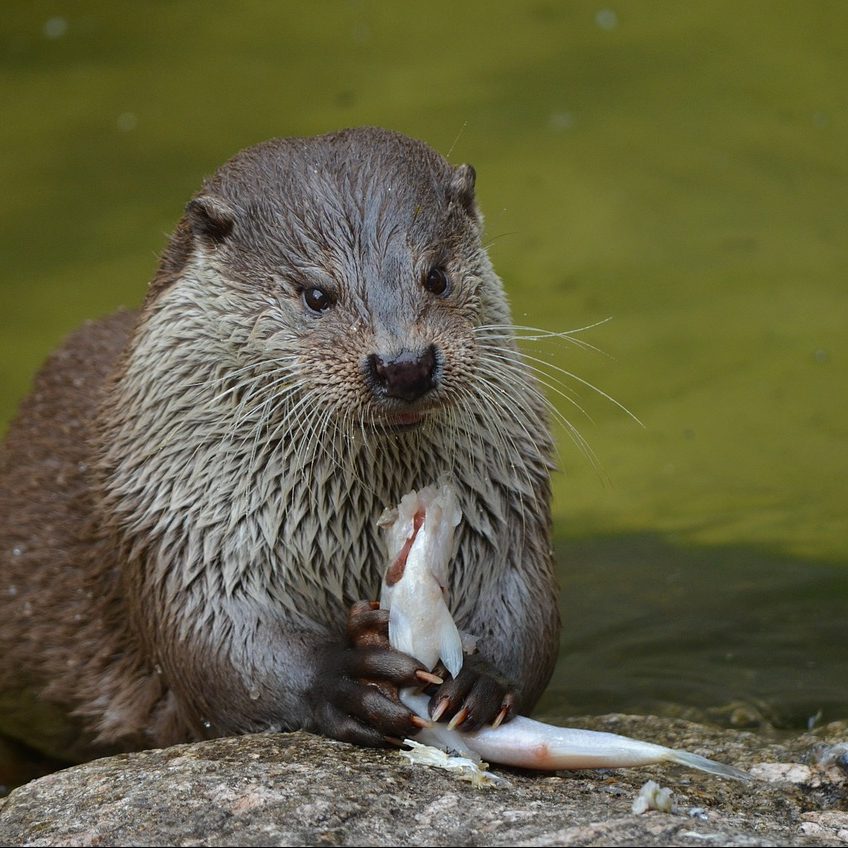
<point>298,789</point>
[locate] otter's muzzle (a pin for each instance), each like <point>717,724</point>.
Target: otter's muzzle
<point>407,376</point>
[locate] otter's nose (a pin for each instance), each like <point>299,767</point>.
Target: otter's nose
<point>407,376</point>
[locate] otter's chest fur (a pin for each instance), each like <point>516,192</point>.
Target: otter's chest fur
<point>296,530</point>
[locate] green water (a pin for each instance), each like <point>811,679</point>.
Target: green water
<point>679,167</point>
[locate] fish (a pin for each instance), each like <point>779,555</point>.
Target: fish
<point>420,535</point>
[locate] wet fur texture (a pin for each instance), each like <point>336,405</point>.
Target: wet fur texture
<point>189,496</point>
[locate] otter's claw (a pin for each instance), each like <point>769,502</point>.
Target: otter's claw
<point>478,695</point>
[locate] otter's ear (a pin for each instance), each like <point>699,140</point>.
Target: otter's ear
<point>462,188</point>
<point>210,217</point>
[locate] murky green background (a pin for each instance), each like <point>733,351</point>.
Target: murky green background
<point>680,167</point>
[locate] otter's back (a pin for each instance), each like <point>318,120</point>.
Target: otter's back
<point>45,508</point>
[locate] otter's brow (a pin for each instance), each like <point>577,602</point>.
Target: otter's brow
<point>435,256</point>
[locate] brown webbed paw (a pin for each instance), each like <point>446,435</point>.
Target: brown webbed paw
<point>479,695</point>
<point>354,697</point>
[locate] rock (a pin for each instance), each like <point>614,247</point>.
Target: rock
<point>298,789</point>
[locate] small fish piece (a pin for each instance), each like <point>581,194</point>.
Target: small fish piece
<point>420,540</point>
<point>465,768</point>
<point>420,534</point>
<point>652,796</point>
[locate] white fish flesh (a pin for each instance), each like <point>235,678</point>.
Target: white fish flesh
<point>420,539</point>
<point>420,536</point>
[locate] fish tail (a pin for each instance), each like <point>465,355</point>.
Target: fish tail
<point>684,758</point>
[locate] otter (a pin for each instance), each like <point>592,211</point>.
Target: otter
<point>189,496</point>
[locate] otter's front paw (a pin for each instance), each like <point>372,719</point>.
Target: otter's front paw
<point>478,696</point>
<point>355,694</point>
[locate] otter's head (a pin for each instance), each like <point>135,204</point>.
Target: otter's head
<point>347,268</point>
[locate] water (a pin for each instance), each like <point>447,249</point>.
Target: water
<point>679,167</point>
<point>728,634</point>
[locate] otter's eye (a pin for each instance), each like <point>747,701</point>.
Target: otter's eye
<point>317,300</point>
<point>437,282</point>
